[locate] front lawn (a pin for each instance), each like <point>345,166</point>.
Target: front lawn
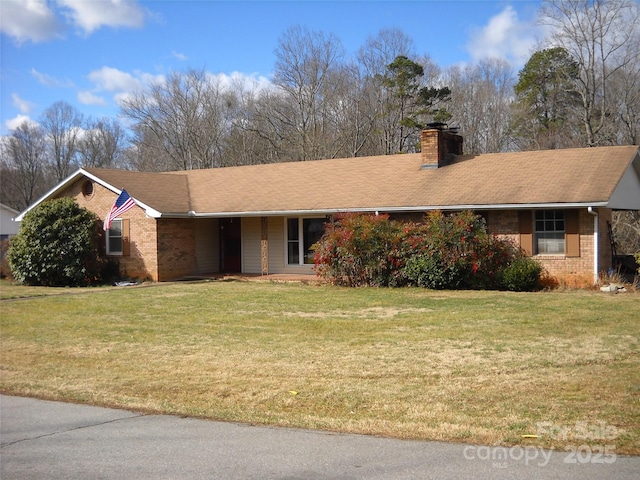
<point>468,366</point>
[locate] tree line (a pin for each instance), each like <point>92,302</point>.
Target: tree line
<point>581,88</point>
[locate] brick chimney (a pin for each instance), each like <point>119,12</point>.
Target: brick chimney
<point>438,144</point>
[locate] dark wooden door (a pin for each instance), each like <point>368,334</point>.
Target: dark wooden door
<point>230,245</point>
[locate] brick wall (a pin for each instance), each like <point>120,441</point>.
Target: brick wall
<point>176,248</point>
<point>141,263</point>
<point>159,249</point>
<point>577,271</point>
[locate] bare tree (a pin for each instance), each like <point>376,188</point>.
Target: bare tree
<point>62,124</point>
<point>102,143</point>
<point>481,97</point>
<point>625,100</point>
<point>352,118</point>
<point>305,72</point>
<point>603,38</point>
<point>626,231</point>
<point>182,120</point>
<point>379,51</point>
<point>24,166</point>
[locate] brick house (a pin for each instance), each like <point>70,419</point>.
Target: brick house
<point>261,219</point>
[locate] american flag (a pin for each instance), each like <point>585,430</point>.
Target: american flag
<point>123,203</point>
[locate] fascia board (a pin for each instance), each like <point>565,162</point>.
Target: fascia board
<point>59,187</point>
<point>420,208</point>
<point>151,212</point>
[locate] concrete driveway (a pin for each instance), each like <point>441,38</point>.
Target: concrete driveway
<point>53,440</point>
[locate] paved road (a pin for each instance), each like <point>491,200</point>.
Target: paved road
<point>53,440</point>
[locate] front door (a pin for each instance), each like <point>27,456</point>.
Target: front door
<point>230,245</point>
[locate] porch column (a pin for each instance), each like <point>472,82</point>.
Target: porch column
<point>596,246</point>
<point>264,245</point>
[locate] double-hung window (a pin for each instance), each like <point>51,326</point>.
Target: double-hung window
<point>302,233</point>
<point>550,232</point>
<point>115,238</point>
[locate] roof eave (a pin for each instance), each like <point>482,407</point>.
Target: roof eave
<point>58,188</point>
<point>385,209</point>
<point>151,212</point>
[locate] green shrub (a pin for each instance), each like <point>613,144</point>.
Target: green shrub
<point>521,275</point>
<point>59,244</point>
<point>430,271</point>
<point>637,255</point>
<point>5,269</point>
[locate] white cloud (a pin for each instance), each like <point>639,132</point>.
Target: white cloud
<point>92,15</point>
<point>149,78</point>
<point>88,98</point>
<point>506,37</point>
<point>180,56</point>
<point>18,120</point>
<point>28,20</point>
<point>50,81</point>
<point>246,82</point>
<point>23,105</point>
<point>121,84</point>
<point>113,80</point>
<point>41,20</point>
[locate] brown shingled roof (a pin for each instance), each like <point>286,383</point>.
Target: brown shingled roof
<point>165,193</point>
<point>392,182</point>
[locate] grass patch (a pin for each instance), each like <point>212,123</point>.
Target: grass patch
<point>480,367</point>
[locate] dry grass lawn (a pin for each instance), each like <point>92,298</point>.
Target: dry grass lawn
<point>478,367</point>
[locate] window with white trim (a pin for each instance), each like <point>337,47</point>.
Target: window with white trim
<point>301,234</point>
<point>115,240</point>
<point>550,232</point>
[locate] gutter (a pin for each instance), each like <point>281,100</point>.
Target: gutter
<point>596,242</point>
<point>385,209</point>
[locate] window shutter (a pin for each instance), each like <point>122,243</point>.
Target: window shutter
<point>525,219</point>
<point>125,237</point>
<point>572,232</point>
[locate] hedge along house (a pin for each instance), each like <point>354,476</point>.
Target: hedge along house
<point>262,219</point>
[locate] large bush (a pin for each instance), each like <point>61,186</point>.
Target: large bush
<point>358,250</point>
<point>442,252</point>
<point>59,244</point>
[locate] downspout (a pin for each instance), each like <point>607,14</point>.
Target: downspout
<point>596,241</point>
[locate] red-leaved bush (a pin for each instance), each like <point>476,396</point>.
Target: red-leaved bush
<point>442,252</point>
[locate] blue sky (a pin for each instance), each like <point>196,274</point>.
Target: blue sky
<point>91,53</point>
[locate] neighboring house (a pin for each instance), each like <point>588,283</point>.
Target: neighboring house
<point>8,228</point>
<point>262,219</point>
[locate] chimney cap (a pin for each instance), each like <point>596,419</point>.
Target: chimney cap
<point>443,127</point>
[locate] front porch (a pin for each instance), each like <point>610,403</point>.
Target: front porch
<point>256,277</point>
